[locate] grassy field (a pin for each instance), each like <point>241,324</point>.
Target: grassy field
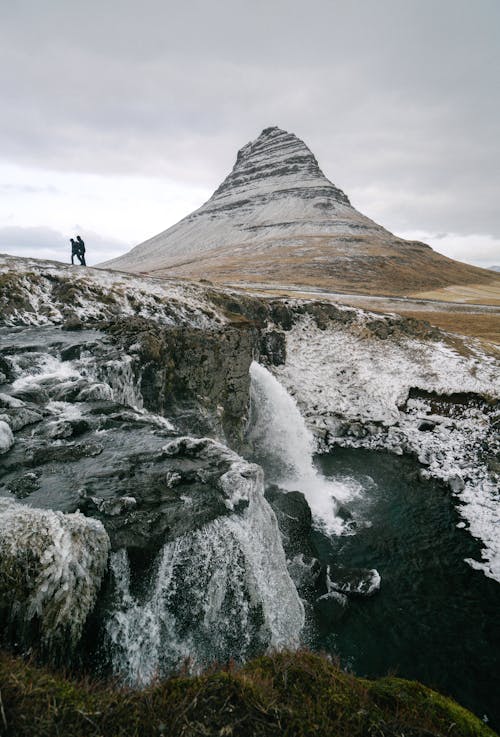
<point>480,294</point>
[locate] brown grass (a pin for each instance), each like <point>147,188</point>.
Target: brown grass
<point>371,265</point>
<point>480,294</point>
<point>485,327</point>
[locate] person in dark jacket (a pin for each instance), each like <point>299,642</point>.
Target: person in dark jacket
<point>75,251</point>
<point>81,250</point>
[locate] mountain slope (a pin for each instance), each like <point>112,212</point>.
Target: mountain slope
<point>276,218</point>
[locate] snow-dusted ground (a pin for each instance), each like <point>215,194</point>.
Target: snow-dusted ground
<point>353,389</point>
<point>48,292</point>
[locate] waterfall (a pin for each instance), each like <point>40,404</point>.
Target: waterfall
<point>220,592</point>
<point>119,375</point>
<point>281,442</point>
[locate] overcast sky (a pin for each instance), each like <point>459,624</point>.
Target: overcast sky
<point>118,118</point>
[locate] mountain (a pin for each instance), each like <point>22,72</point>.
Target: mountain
<point>277,219</point>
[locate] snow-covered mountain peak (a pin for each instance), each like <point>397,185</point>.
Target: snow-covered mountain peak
<point>276,159</point>
<point>276,190</point>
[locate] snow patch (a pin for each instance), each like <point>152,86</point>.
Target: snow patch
<point>353,390</point>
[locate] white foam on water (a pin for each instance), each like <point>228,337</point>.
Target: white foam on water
<point>41,367</point>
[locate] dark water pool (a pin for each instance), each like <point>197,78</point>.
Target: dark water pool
<point>434,619</point>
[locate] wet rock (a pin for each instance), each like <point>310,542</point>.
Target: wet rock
<point>20,417</point>
<point>34,395</point>
<point>162,495</point>
<point>346,516</point>
<point>456,483</point>
<point>306,574</point>
<point>353,581</point>
<point>58,430</point>
<point>294,520</point>
<point>331,608</point>
<point>95,393</point>
<point>65,453</point>
<point>273,347</point>
<point>111,507</point>
<point>24,485</point>
<point>356,430</point>
<point>79,427</point>
<point>6,371</point>
<point>426,426</point>
<point>281,314</point>
<point>8,401</point>
<point>73,323</point>
<point>198,377</point>
<point>67,391</point>
<point>71,352</point>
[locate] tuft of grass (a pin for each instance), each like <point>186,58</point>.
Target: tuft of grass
<point>296,694</point>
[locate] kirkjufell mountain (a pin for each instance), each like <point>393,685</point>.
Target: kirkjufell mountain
<point>277,219</point>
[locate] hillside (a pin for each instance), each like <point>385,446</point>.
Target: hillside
<point>277,219</point>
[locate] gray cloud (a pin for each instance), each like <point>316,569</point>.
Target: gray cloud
<point>396,99</point>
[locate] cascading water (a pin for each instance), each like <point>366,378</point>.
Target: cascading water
<point>220,592</point>
<point>281,442</point>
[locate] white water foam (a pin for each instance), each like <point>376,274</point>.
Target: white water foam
<point>282,442</point>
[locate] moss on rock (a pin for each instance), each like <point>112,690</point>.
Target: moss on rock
<point>289,694</point>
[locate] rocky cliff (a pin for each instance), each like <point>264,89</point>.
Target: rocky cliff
<point>133,414</point>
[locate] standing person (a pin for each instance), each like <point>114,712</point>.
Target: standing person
<point>81,254</point>
<point>75,251</point>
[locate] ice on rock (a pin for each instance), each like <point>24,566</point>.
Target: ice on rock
<point>97,295</point>
<point>6,437</point>
<point>340,377</point>
<point>51,566</point>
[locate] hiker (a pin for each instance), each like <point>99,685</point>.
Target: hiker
<point>81,250</point>
<point>75,251</point>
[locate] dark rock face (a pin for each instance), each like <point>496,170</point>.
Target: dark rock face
<point>76,447</point>
<point>199,377</point>
<point>315,574</point>
<point>273,347</point>
<point>160,495</point>
<point>294,520</point>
